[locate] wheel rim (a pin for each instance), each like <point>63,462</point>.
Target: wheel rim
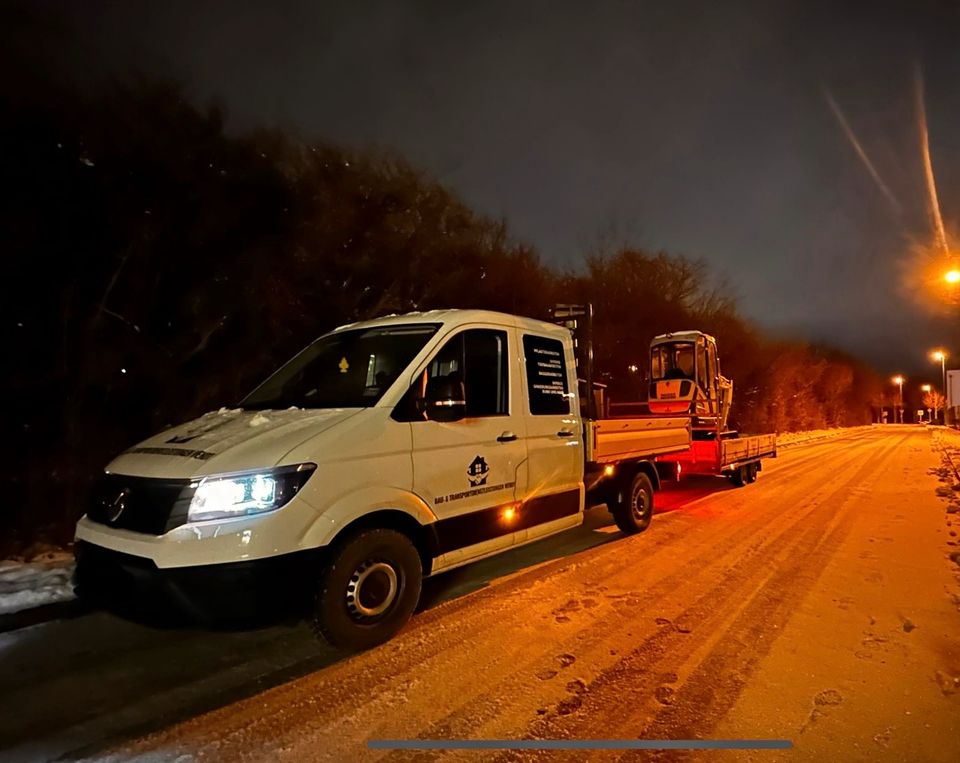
<point>639,503</point>
<point>372,589</point>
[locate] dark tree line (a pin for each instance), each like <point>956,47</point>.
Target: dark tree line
<point>159,266</point>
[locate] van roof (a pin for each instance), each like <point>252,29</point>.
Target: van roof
<point>454,317</point>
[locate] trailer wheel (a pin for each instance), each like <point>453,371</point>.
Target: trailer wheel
<point>738,476</point>
<point>751,475</point>
<point>368,589</point>
<point>633,506</point>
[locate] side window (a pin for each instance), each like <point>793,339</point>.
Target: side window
<point>656,364</point>
<point>546,376</point>
<point>476,357</point>
<point>702,378</point>
<point>485,372</point>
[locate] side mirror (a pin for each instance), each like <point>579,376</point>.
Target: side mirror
<point>445,400</point>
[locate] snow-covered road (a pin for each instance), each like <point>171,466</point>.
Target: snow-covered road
<point>818,605</point>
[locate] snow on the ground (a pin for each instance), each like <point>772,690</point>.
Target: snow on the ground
<point>44,579</point>
<point>949,438</point>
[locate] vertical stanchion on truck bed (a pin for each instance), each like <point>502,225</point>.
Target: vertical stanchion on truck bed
<point>568,315</point>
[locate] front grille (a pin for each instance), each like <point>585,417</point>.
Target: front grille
<point>141,504</point>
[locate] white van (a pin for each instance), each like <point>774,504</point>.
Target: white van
<point>385,451</point>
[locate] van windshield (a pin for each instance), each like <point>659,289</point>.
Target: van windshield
<point>345,369</point>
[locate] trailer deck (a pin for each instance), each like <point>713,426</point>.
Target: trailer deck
<point>722,455</point>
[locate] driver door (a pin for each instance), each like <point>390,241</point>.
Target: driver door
<point>468,471</point>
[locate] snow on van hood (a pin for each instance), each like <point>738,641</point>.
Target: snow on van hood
<point>227,440</point>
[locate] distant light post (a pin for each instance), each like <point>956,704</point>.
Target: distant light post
<point>898,380</point>
<point>941,355</point>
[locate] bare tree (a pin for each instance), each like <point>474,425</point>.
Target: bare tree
<point>933,401</point>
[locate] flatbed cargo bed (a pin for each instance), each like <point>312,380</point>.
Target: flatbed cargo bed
<point>610,441</point>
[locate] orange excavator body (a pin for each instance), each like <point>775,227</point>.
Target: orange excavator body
<point>685,378</point>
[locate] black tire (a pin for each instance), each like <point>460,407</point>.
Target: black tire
<point>738,476</point>
<point>632,507</point>
<point>368,589</point>
<point>752,473</point>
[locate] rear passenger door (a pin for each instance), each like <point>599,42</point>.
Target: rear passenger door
<point>554,432</point>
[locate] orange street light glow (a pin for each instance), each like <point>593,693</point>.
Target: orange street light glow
<point>926,388</point>
<point>938,355</point>
<point>897,380</point>
<point>952,276</point>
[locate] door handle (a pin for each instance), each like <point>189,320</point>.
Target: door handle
<point>507,437</point>
<point>564,433</point>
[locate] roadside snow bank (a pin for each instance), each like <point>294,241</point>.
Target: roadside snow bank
<point>949,442</point>
<point>45,579</point>
<point>795,438</point>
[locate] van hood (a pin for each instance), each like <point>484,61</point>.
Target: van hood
<point>228,440</point>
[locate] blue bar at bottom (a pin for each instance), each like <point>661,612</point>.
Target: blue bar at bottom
<point>579,744</point>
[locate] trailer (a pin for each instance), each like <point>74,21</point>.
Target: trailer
<point>685,377</point>
<point>737,458</point>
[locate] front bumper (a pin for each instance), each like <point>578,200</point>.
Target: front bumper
<point>208,593</point>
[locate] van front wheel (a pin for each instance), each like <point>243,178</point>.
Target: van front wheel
<point>368,589</point>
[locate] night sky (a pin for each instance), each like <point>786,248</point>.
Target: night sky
<point>700,128</point>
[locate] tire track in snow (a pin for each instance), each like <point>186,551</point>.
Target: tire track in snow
<point>621,701</point>
<point>618,625</point>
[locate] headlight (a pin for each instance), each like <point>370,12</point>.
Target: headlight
<point>239,495</point>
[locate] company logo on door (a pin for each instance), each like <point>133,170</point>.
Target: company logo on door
<point>477,472</point>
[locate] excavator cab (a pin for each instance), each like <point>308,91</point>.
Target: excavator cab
<point>685,379</point>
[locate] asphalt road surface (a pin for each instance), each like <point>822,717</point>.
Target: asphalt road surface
<point>818,605</point>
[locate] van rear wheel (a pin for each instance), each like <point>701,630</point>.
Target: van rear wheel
<point>633,507</point>
<point>368,589</point>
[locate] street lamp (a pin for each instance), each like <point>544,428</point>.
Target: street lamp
<point>898,380</point>
<point>926,388</point>
<point>941,355</point>
<point>952,278</point>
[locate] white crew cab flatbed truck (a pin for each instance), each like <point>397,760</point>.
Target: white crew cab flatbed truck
<point>383,452</point>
